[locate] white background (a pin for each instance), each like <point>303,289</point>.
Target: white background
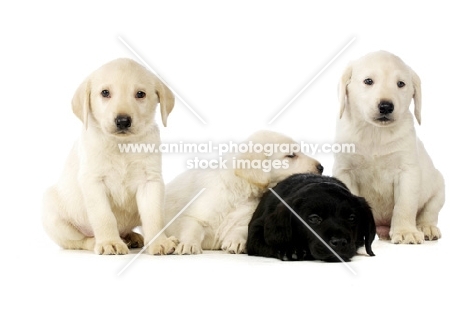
<point>236,64</point>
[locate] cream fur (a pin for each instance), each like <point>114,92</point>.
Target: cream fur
<point>391,167</point>
<point>104,194</point>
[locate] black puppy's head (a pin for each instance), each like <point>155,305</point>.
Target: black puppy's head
<point>332,219</point>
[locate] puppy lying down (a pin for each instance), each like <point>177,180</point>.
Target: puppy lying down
<point>344,221</point>
<point>218,219</point>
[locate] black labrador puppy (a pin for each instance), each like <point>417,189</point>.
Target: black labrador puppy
<point>343,221</point>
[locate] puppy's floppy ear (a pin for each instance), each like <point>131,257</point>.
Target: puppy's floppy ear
<point>416,95</point>
<point>248,166</point>
<point>277,228</point>
<point>343,88</point>
<point>81,102</point>
<point>367,228</point>
<point>166,100</point>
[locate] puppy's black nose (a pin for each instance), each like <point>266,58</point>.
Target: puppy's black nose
<point>319,168</point>
<point>338,243</point>
<point>123,122</point>
<point>386,107</point>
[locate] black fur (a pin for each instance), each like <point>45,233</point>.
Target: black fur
<point>344,221</point>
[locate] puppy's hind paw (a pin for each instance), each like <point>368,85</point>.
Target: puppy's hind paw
<point>431,233</point>
<point>133,240</point>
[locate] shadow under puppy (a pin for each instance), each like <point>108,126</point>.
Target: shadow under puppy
<point>342,220</point>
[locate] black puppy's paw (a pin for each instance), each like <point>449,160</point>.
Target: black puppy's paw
<point>292,255</point>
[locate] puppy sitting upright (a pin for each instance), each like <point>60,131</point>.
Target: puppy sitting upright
<point>343,221</point>
<point>103,194</point>
<point>390,167</point>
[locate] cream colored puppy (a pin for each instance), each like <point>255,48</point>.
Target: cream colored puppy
<point>390,168</point>
<point>104,194</point>
<point>219,218</point>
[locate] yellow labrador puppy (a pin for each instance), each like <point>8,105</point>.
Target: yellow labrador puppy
<point>390,168</point>
<point>104,194</point>
<point>219,218</point>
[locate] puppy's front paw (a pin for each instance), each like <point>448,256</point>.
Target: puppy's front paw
<point>406,237</point>
<point>431,233</point>
<point>162,246</point>
<point>234,247</point>
<point>111,248</point>
<point>292,255</point>
<point>188,248</point>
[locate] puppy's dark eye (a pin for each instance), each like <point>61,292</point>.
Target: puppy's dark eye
<point>292,155</point>
<point>105,93</point>
<point>368,81</point>
<point>314,219</point>
<point>352,218</point>
<point>400,84</point>
<point>140,94</point>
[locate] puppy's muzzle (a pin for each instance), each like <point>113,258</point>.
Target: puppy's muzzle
<point>123,122</point>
